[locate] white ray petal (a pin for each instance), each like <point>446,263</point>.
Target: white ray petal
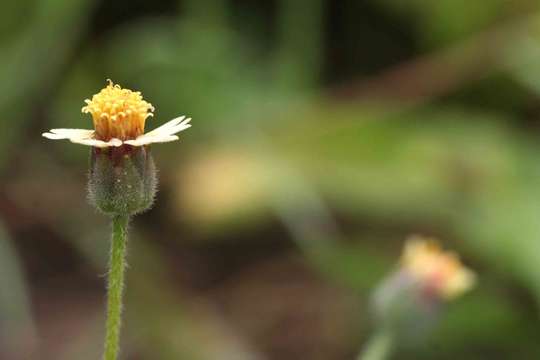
<point>97,143</point>
<point>56,134</point>
<point>178,128</point>
<point>164,133</point>
<point>145,140</point>
<point>167,125</point>
<point>171,130</point>
<point>171,127</point>
<point>165,139</point>
<point>173,122</point>
<point>73,131</point>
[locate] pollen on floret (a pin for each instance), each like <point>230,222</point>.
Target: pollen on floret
<point>118,113</point>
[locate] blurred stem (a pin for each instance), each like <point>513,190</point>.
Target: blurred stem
<point>300,42</point>
<point>117,265</point>
<point>379,346</point>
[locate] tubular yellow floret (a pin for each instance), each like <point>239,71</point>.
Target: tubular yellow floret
<point>118,113</point>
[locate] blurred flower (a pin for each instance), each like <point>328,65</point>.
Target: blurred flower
<point>119,117</point>
<point>409,301</point>
<point>225,185</point>
<point>440,272</point>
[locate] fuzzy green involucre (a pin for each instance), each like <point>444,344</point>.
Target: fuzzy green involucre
<point>122,180</point>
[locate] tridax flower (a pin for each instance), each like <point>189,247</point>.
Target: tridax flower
<point>439,271</point>
<point>119,117</point>
<point>408,303</point>
<point>122,180</point>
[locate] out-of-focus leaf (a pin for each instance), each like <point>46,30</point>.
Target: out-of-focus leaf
<point>33,58</point>
<point>444,21</point>
<point>498,325</point>
<point>178,66</point>
<point>522,56</point>
<point>17,332</point>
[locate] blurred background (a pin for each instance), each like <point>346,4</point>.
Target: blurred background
<point>324,133</point>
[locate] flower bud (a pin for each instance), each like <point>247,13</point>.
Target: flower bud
<point>122,180</point>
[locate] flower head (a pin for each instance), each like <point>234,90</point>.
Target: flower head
<point>435,269</point>
<point>119,117</point>
<point>410,300</point>
<point>118,113</point>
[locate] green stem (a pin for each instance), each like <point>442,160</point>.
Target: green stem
<point>379,346</point>
<point>299,43</point>
<point>117,265</point>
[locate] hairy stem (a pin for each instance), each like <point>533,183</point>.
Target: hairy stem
<point>117,265</point>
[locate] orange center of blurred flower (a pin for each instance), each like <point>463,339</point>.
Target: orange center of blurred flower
<point>118,113</point>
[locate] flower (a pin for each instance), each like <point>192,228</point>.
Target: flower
<point>434,269</point>
<point>119,117</point>
<point>220,186</point>
<point>410,301</point>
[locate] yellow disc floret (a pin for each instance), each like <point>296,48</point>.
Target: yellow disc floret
<point>118,113</point>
